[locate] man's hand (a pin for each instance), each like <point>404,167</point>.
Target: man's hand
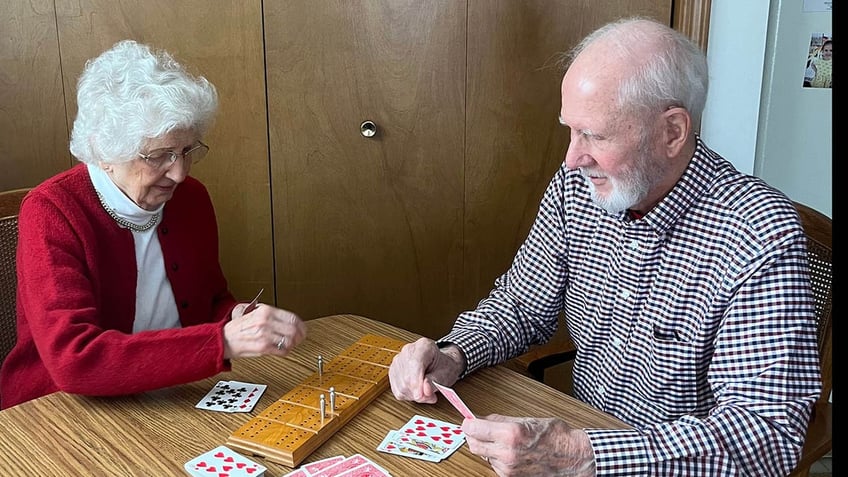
<point>420,362</point>
<point>528,446</point>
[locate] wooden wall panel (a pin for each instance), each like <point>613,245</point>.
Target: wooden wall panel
<point>33,132</point>
<point>368,226</point>
<point>222,41</point>
<point>514,143</point>
<point>410,227</point>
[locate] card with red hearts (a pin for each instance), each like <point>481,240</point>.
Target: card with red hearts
<point>432,436</point>
<point>223,461</point>
<point>398,444</point>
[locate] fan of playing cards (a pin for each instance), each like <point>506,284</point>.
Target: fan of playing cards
<point>424,438</point>
<point>356,465</point>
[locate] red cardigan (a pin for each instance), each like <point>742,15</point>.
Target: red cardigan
<point>76,296</point>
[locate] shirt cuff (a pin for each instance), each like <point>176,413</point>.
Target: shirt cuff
<point>619,452</point>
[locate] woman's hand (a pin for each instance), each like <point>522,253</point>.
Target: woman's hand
<point>265,330</point>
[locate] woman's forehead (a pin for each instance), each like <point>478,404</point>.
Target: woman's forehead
<point>175,138</point>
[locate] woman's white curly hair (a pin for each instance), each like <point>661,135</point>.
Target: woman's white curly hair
<point>130,94</point>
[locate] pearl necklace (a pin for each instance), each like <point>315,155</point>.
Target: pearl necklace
<point>124,223</point>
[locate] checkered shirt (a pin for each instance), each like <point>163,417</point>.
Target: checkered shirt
<point>694,324</point>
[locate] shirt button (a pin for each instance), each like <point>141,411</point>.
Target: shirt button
<point>617,342</point>
<point>625,294</point>
<point>634,244</point>
<point>601,390</point>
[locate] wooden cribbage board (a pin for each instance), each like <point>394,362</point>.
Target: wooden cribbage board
<point>291,428</point>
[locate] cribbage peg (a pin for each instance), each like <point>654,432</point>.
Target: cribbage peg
<point>321,403</point>
<point>320,366</point>
<point>332,399</point>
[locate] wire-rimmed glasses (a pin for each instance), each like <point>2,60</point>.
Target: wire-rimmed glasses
<point>164,159</point>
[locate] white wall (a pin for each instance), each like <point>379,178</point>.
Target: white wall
<point>758,115</point>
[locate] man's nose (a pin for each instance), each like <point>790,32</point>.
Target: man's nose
<point>576,157</point>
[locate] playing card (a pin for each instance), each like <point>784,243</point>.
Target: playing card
<point>369,469</point>
<point>337,469</point>
<point>426,447</point>
<point>454,399</point>
<point>391,444</point>
<point>222,397</point>
<point>319,465</point>
<point>252,305</point>
<point>223,461</point>
<point>232,396</point>
<point>249,395</point>
<point>297,473</point>
<point>433,436</point>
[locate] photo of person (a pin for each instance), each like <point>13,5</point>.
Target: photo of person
<point>819,68</point>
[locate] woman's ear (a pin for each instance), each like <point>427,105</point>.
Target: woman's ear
<point>105,166</point>
<point>677,126</point>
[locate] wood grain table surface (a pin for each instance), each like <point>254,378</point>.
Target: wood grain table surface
<point>155,433</point>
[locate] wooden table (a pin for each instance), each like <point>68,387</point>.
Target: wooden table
<point>155,433</point>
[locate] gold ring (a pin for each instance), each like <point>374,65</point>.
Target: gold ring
<point>282,343</point>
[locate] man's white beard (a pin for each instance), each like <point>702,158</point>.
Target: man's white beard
<point>626,191</point>
<point>633,185</point>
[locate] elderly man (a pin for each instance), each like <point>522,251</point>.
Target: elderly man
<point>684,284</point>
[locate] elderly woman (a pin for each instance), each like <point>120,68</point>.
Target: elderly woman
<point>120,290</point>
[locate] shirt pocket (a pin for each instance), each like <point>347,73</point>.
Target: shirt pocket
<point>667,373</point>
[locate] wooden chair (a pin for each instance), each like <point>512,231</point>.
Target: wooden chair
<point>10,204</point>
<point>819,441</point>
<point>819,229</point>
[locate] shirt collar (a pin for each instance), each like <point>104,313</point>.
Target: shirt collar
<point>116,199</point>
<point>693,184</point>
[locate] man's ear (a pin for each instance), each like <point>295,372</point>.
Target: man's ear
<point>677,126</point>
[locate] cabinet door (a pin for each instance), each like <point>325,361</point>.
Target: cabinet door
<point>362,225</point>
<point>33,134</point>
<point>514,142</point>
<point>226,48</point>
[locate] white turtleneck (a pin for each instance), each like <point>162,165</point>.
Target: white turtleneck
<point>155,306</point>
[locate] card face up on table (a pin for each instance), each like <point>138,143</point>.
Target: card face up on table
<point>424,438</point>
<point>232,396</point>
<point>223,461</point>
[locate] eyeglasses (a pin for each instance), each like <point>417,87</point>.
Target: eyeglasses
<point>165,159</point>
